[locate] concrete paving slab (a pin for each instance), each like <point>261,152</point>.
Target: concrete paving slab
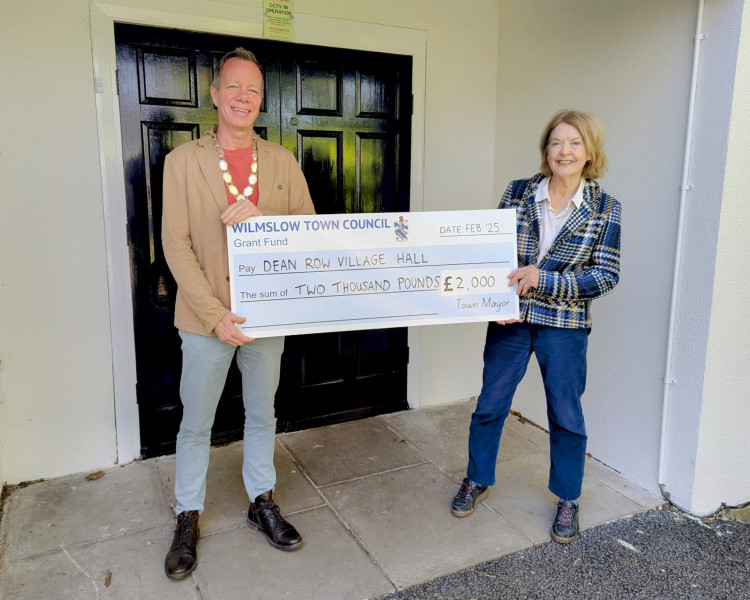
<point>601,504</point>
<point>528,430</point>
<point>442,435</point>
<point>440,432</point>
<point>611,478</point>
<point>226,499</point>
<point>294,492</point>
<point>513,446</point>
<point>521,496</point>
<point>403,519</point>
<point>241,564</point>
<point>135,562</point>
<point>72,510</point>
<point>349,450</point>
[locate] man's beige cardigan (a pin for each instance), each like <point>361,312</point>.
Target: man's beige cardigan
<point>195,240</point>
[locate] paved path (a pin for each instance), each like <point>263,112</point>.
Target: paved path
<point>370,497</point>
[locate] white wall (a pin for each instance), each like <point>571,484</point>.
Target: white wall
<point>628,62</point>
<point>56,410</point>
<point>689,409</point>
<point>56,381</point>
<point>722,461</point>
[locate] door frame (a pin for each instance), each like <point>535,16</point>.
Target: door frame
<point>244,21</point>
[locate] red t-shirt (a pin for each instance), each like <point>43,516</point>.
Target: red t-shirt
<point>239,163</point>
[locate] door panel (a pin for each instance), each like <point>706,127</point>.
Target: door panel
<point>376,171</point>
<point>318,90</point>
<point>167,77</point>
<point>340,112</point>
<point>321,157</point>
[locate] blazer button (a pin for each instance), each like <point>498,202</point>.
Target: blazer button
<point>281,187</point>
<point>227,277</point>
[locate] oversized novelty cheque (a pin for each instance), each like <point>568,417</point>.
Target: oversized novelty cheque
<point>315,273</point>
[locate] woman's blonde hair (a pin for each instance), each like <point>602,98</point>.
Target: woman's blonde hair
<point>592,133</point>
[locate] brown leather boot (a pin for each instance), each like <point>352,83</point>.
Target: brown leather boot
<point>264,515</point>
<point>182,558</point>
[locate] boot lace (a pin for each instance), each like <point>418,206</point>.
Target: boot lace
<point>269,515</point>
<point>466,489</point>
<point>183,530</point>
<point>565,515</point>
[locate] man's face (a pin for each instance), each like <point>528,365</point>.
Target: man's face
<point>239,95</point>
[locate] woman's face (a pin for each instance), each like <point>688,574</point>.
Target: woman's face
<point>566,152</point>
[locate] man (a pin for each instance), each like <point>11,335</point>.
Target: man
<point>221,179</point>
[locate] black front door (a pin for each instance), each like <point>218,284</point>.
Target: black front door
<point>347,117</point>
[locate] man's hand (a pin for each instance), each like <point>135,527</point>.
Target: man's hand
<point>239,211</point>
<point>509,322</point>
<point>226,330</point>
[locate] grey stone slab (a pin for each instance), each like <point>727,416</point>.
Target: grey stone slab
<point>294,492</point>
<point>441,419</point>
<point>403,519</point>
<point>528,430</point>
<point>513,446</point>
<point>71,510</point>
<point>442,434</point>
<point>135,561</point>
<point>611,478</point>
<point>226,499</point>
<point>521,495</point>
<point>241,564</point>
<point>348,450</point>
<point>601,504</point>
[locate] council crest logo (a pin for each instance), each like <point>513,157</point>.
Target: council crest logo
<point>401,229</point>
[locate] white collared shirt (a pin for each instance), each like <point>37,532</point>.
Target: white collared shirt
<point>551,222</point>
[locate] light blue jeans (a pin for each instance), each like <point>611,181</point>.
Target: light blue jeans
<point>205,364</point>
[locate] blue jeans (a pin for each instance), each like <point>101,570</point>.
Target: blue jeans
<point>205,364</point>
<point>561,354</point>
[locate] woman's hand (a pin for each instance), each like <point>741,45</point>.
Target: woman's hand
<point>527,279</point>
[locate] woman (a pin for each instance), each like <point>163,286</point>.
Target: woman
<point>568,254</point>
